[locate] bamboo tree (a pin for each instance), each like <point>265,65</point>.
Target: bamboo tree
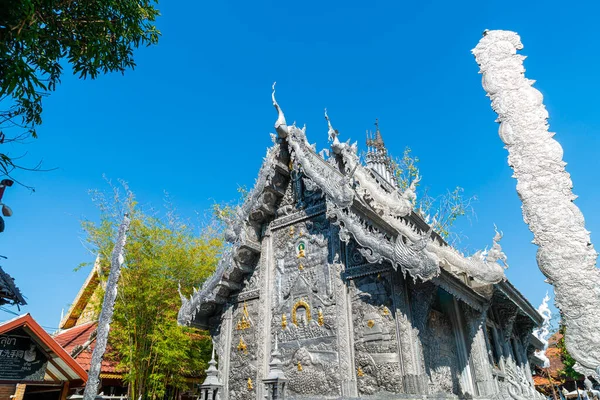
<point>162,254</point>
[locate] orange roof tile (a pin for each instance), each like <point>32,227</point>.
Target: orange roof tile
<point>78,336</point>
<point>75,336</point>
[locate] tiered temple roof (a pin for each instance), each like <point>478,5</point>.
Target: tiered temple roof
<point>368,208</point>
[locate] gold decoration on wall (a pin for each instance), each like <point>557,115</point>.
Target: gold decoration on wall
<point>320,319</point>
<point>300,303</point>
<point>359,372</point>
<point>292,231</point>
<point>244,322</point>
<point>301,250</point>
<point>301,267</point>
<point>299,366</point>
<point>250,385</point>
<point>385,312</point>
<point>370,323</point>
<point>283,321</point>
<point>242,346</point>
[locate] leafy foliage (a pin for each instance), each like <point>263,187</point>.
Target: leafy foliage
<point>161,255</point>
<point>37,37</point>
<point>224,213</point>
<point>441,212</point>
<point>568,361</point>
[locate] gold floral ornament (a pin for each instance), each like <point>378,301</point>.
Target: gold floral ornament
<point>242,346</point>
<point>301,267</point>
<point>301,250</point>
<point>244,322</point>
<point>359,372</point>
<point>302,305</point>
<point>299,366</point>
<point>292,230</point>
<point>385,311</point>
<point>249,384</point>
<point>283,321</point>
<point>320,318</point>
<point>370,323</point>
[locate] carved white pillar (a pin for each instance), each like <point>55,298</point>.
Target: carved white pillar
<point>466,376</point>
<point>267,290</point>
<point>344,319</point>
<point>565,255</point>
<point>409,359</point>
<point>418,307</point>
<point>224,346</point>
<point>478,353</point>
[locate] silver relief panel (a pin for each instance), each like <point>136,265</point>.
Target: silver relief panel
<point>243,351</point>
<point>304,308</point>
<point>375,341</point>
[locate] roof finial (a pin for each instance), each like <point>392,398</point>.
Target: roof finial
<point>280,124</point>
<point>378,141</point>
<point>331,133</point>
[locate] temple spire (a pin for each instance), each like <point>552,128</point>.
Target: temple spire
<point>377,158</point>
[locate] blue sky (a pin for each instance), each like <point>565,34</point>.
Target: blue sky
<point>194,117</point>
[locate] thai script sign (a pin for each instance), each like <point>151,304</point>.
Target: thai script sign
<point>21,359</point>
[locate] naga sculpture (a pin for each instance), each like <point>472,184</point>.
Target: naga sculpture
<point>565,254</point>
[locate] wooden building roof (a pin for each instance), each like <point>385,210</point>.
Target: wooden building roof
<point>61,366</point>
<point>80,342</point>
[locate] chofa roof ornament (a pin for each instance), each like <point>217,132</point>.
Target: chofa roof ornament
<point>280,125</point>
<point>332,134</point>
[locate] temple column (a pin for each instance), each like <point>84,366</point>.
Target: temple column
<point>345,335</point>
<point>223,342</point>
<point>477,350</point>
<point>506,316</point>
<point>458,324</point>
<point>266,272</point>
<point>404,334</point>
<point>412,322</point>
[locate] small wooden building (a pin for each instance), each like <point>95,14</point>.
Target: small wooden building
<point>33,366</point>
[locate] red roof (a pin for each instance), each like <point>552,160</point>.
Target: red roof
<point>75,336</point>
<point>61,366</point>
<point>80,335</point>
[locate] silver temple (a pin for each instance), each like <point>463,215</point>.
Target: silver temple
<point>333,287</point>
